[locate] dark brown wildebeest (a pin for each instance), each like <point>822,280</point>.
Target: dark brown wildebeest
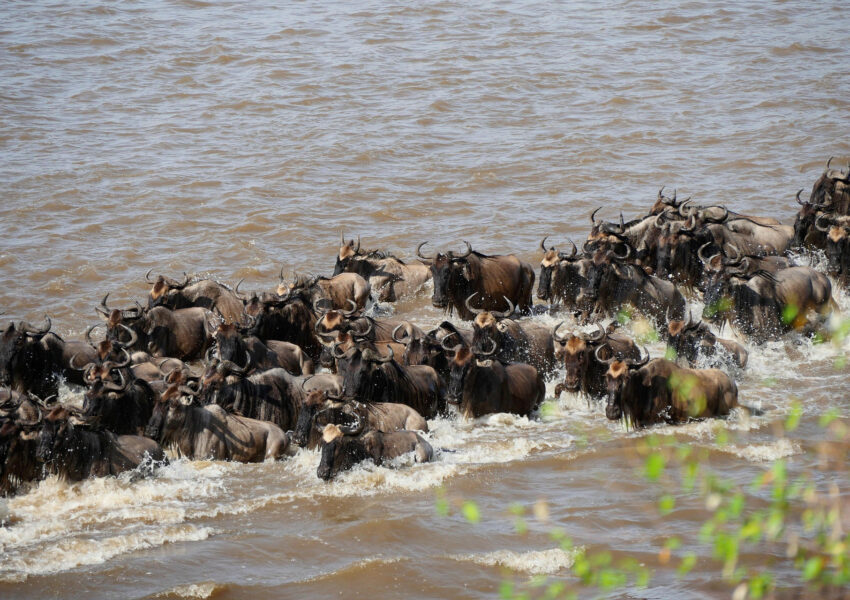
<point>765,305</point>
<point>389,276</point>
<point>287,318</point>
<point>336,356</point>
<point>832,190</point>
<point>211,433</point>
<point>321,409</point>
<point>183,333</point>
<point>515,342</point>
<point>482,386</point>
<point>583,355</point>
<point>117,400</point>
<point>73,451</point>
<point>337,291</point>
<point>344,447</point>
<point>614,283</point>
<point>432,348</point>
<point>690,341</point>
<point>662,392</point>
<point>274,395</point>
<point>836,232</point>
<point>562,275</point>
<point>371,378</point>
<point>205,293</point>
<point>367,328</point>
<point>494,278</point>
<point>232,346</point>
<point>20,423</point>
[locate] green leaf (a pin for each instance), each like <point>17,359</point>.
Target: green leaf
<point>673,543</point>
<point>506,590</point>
<point>793,419</point>
<point>812,568</point>
<point>689,561</point>
<point>789,313</point>
<point>828,417</point>
<point>470,511</point>
<point>666,504</point>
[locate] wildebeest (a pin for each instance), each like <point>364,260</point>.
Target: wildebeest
<point>431,349</point>
<point>337,291</point>
<point>274,395</point>
<point>344,447</point>
<point>205,293</point>
<point>562,275</point>
<point>233,346</point>
<point>389,276</point>
<point>75,452</point>
<point>659,391</point>
<point>287,318</point>
<point>764,305</point>
<point>183,333</point>
<point>614,283</point>
<point>321,409</point>
<point>583,355</point>
<point>371,378</point>
<point>210,432</point>
<point>481,386</point>
<point>117,400</point>
<point>691,340</point>
<point>836,232</point>
<point>529,343</point>
<point>493,278</point>
<point>336,356</point>
<point>20,423</point>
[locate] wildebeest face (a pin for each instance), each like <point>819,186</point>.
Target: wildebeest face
<point>836,247</point>
<point>615,380</point>
<point>460,366</point>
<point>315,402</point>
<point>12,342</point>
<point>339,452</point>
<point>575,362</point>
<point>442,269</point>
<point>53,430</point>
<point>548,266</point>
<point>718,299</point>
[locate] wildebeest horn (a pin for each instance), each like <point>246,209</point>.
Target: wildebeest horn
<point>227,366</point>
<point>829,161</point>
<point>365,332</point>
<point>419,252</point>
<point>148,276</point>
<point>623,256</point>
<point>599,335</point>
<point>543,244</point>
<point>133,337</point>
<point>357,249</point>
<point>721,219</point>
<point>504,314</point>
<point>103,308</point>
<point>39,333</point>
<point>641,361</point>
<point>73,366</point>
<point>474,311</point>
<point>335,352</point>
<point>575,248</point>
<point>593,215</point>
<point>606,361</point>
<point>819,226</point>
<point>349,313</point>
<point>322,306</point>
<point>89,331</point>
<point>622,224</point>
<point>660,197</point>
<point>388,358</point>
<point>559,339</point>
<point>465,254</point>
<point>587,247</point>
<point>799,201</point>
<point>683,211</point>
<point>119,388</point>
<point>737,259</point>
<point>701,253</point>
<point>405,340</point>
<point>489,352</point>
<point>354,429</point>
<point>453,348</point>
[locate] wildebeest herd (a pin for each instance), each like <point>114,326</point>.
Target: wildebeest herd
<point>209,371</point>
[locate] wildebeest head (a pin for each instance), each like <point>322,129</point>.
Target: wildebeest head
<point>721,277</point>
<point>364,377</point>
<point>488,327</point>
<point>461,364</point>
<point>687,338</point>
<point>320,408</point>
<point>217,375</point>
<point>347,257</point>
<point>576,352</point>
<point>342,448</point>
<point>161,288</point>
<point>832,190</point>
<point>664,203</point>
<point>169,413</point>
<point>451,274</point>
<point>550,265</point>
<point>231,346</point>
<point>605,261</point>
<point>836,230</point>
<point>617,381</point>
<point>54,429</point>
<point>675,248</point>
<point>17,348</point>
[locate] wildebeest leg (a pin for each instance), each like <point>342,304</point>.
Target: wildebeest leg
<point>424,453</point>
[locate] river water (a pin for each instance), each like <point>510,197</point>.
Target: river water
<point>236,139</point>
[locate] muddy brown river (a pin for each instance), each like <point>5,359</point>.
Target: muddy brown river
<point>235,139</point>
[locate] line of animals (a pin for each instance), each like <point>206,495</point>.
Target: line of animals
<point>212,372</point>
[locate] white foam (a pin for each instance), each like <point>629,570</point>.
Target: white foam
<point>535,562</point>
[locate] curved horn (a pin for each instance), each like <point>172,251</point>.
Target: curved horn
<point>641,361</point>
<point>323,334</point>
<point>357,249</point>
<point>660,197</point>
<point>126,359</point>
<point>721,219</point>
<point>543,244</point>
<point>622,224</point>
<point>89,331</point>
<point>593,215</point>
<point>119,388</point>
<point>599,335</point>
<point>73,366</point>
<point>148,276</point>
<point>354,429</point>
<point>133,337</point>
<point>701,253</point>
<point>29,330</point>
<point>799,201</point>
<point>683,209</point>
<point>365,332</point>
<point>103,309</point>
<point>821,227</point>
<point>453,348</point>
<point>349,313</point>
<point>419,252</point>
<point>559,339</point>
<point>575,248</point>
<point>737,259</point>
<point>507,313</point>
<point>489,352</point>
<point>829,161</point>
<point>624,256</point>
<point>335,351</point>
<point>468,250</point>
<point>474,311</point>
<point>322,306</point>
<point>606,361</point>
<point>405,340</point>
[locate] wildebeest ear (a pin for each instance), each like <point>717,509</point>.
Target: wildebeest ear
<point>467,272</point>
